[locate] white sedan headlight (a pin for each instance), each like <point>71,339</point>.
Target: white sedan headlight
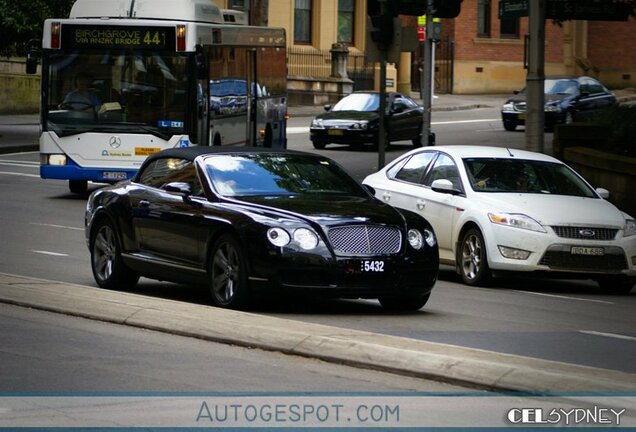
<point>630,228</point>
<point>516,220</point>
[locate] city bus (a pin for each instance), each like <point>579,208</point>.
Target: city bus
<point>123,79</point>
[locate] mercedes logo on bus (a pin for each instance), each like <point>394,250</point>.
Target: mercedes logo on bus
<point>115,142</point>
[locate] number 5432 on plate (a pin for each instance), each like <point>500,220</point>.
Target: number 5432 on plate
<point>372,266</point>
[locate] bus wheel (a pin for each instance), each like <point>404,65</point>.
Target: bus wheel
<point>217,140</point>
<point>78,186</point>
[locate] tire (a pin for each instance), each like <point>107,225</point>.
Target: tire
<point>228,274</point>
<point>472,260</point>
<point>108,267</point>
<point>78,186</point>
<point>268,137</point>
<point>616,284</point>
<point>417,142</point>
<point>319,145</point>
<point>509,126</point>
<point>404,303</point>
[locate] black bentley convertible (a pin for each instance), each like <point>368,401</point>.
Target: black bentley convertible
<point>243,219</point>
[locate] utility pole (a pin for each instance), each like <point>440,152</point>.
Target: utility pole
<point>535,96</point>
<point>426,81</point>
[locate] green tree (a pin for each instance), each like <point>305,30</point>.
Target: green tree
<point>21,21</point>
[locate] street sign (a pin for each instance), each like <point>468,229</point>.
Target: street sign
<point>591,10</point>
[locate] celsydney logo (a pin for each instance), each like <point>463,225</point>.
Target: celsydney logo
<point>565,416</point>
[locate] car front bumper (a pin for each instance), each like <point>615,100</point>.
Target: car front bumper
<point>343,136</point>
<point>551,253</point>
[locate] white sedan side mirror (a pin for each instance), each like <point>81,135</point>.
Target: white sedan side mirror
<point>603,193</point>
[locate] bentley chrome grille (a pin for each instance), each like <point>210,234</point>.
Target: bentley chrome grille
<point>365,239</point>
<point>585,233</point>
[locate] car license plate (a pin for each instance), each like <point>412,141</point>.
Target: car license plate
<point>371,266</point>
<point>335,132</point>
<point>114,175</point>
<point>578,250</point>
<point>521,116</point>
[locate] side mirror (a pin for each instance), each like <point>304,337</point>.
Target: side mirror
<point>179,187</point>
<point>397,109</point>
<point>201,63</point>
<point>603,193</point>
<point>327,107</point>
<point>444,186</point>
<point>370,189</point>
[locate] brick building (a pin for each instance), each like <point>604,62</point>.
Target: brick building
<point>489,52</point>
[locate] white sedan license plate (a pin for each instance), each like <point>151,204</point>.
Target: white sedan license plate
<point>114,175</point>
<point>370,266</point>
<point>578,250</point>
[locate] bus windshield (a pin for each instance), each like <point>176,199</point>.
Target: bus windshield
<point>115,91</point>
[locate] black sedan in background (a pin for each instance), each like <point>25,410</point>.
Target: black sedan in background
<point>242,219</point>
<point>355,120</point>
<point>567,99</point>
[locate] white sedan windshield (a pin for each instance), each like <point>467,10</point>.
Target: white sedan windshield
<point>525,176</point>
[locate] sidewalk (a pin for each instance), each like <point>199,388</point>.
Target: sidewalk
<point>475,368</point>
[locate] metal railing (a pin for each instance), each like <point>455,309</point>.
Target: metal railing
<point>313,63</point>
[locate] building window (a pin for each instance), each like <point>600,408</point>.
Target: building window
<point>302,21</point>
<point>509,27</point>
<point>483,18</point>
<point>345,21</point>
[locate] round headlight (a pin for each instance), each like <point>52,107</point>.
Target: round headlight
<point>416,240</point>
<point>429,236</point>
<point>278,237</point>
<point>305,238</point>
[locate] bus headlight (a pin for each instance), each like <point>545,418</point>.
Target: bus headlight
<point>52,159</point>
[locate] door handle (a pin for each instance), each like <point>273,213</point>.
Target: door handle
<point>144,203</point>
<point>420,204</point>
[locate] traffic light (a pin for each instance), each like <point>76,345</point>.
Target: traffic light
<point>447,8</point>
<point>381,30</point>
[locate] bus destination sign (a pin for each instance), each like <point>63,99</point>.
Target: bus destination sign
<point>123,37</point>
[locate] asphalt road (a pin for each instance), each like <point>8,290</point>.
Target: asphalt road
<point>568,321</point>
<point>48,352</point>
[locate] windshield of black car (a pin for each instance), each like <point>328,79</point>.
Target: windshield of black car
<point>125,91</point>
<point>279,174</point>
<point>524,176</point>
<point>560,86</point>
<point>368,102</point>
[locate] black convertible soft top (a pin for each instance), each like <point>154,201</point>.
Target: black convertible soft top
<point>190,153</point>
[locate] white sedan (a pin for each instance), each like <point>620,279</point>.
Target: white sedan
<point>496,210</point>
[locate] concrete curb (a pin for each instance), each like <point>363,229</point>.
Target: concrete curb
<point>470,367</point>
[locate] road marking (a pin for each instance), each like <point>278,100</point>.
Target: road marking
<point>19,174</point>
<point>610,335</point>
<point>565,297</point>
<point>49,253</point>
<point>293,130</point>
<point>18,163</point>
<point>57,226</point>
<point>464,121</point>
